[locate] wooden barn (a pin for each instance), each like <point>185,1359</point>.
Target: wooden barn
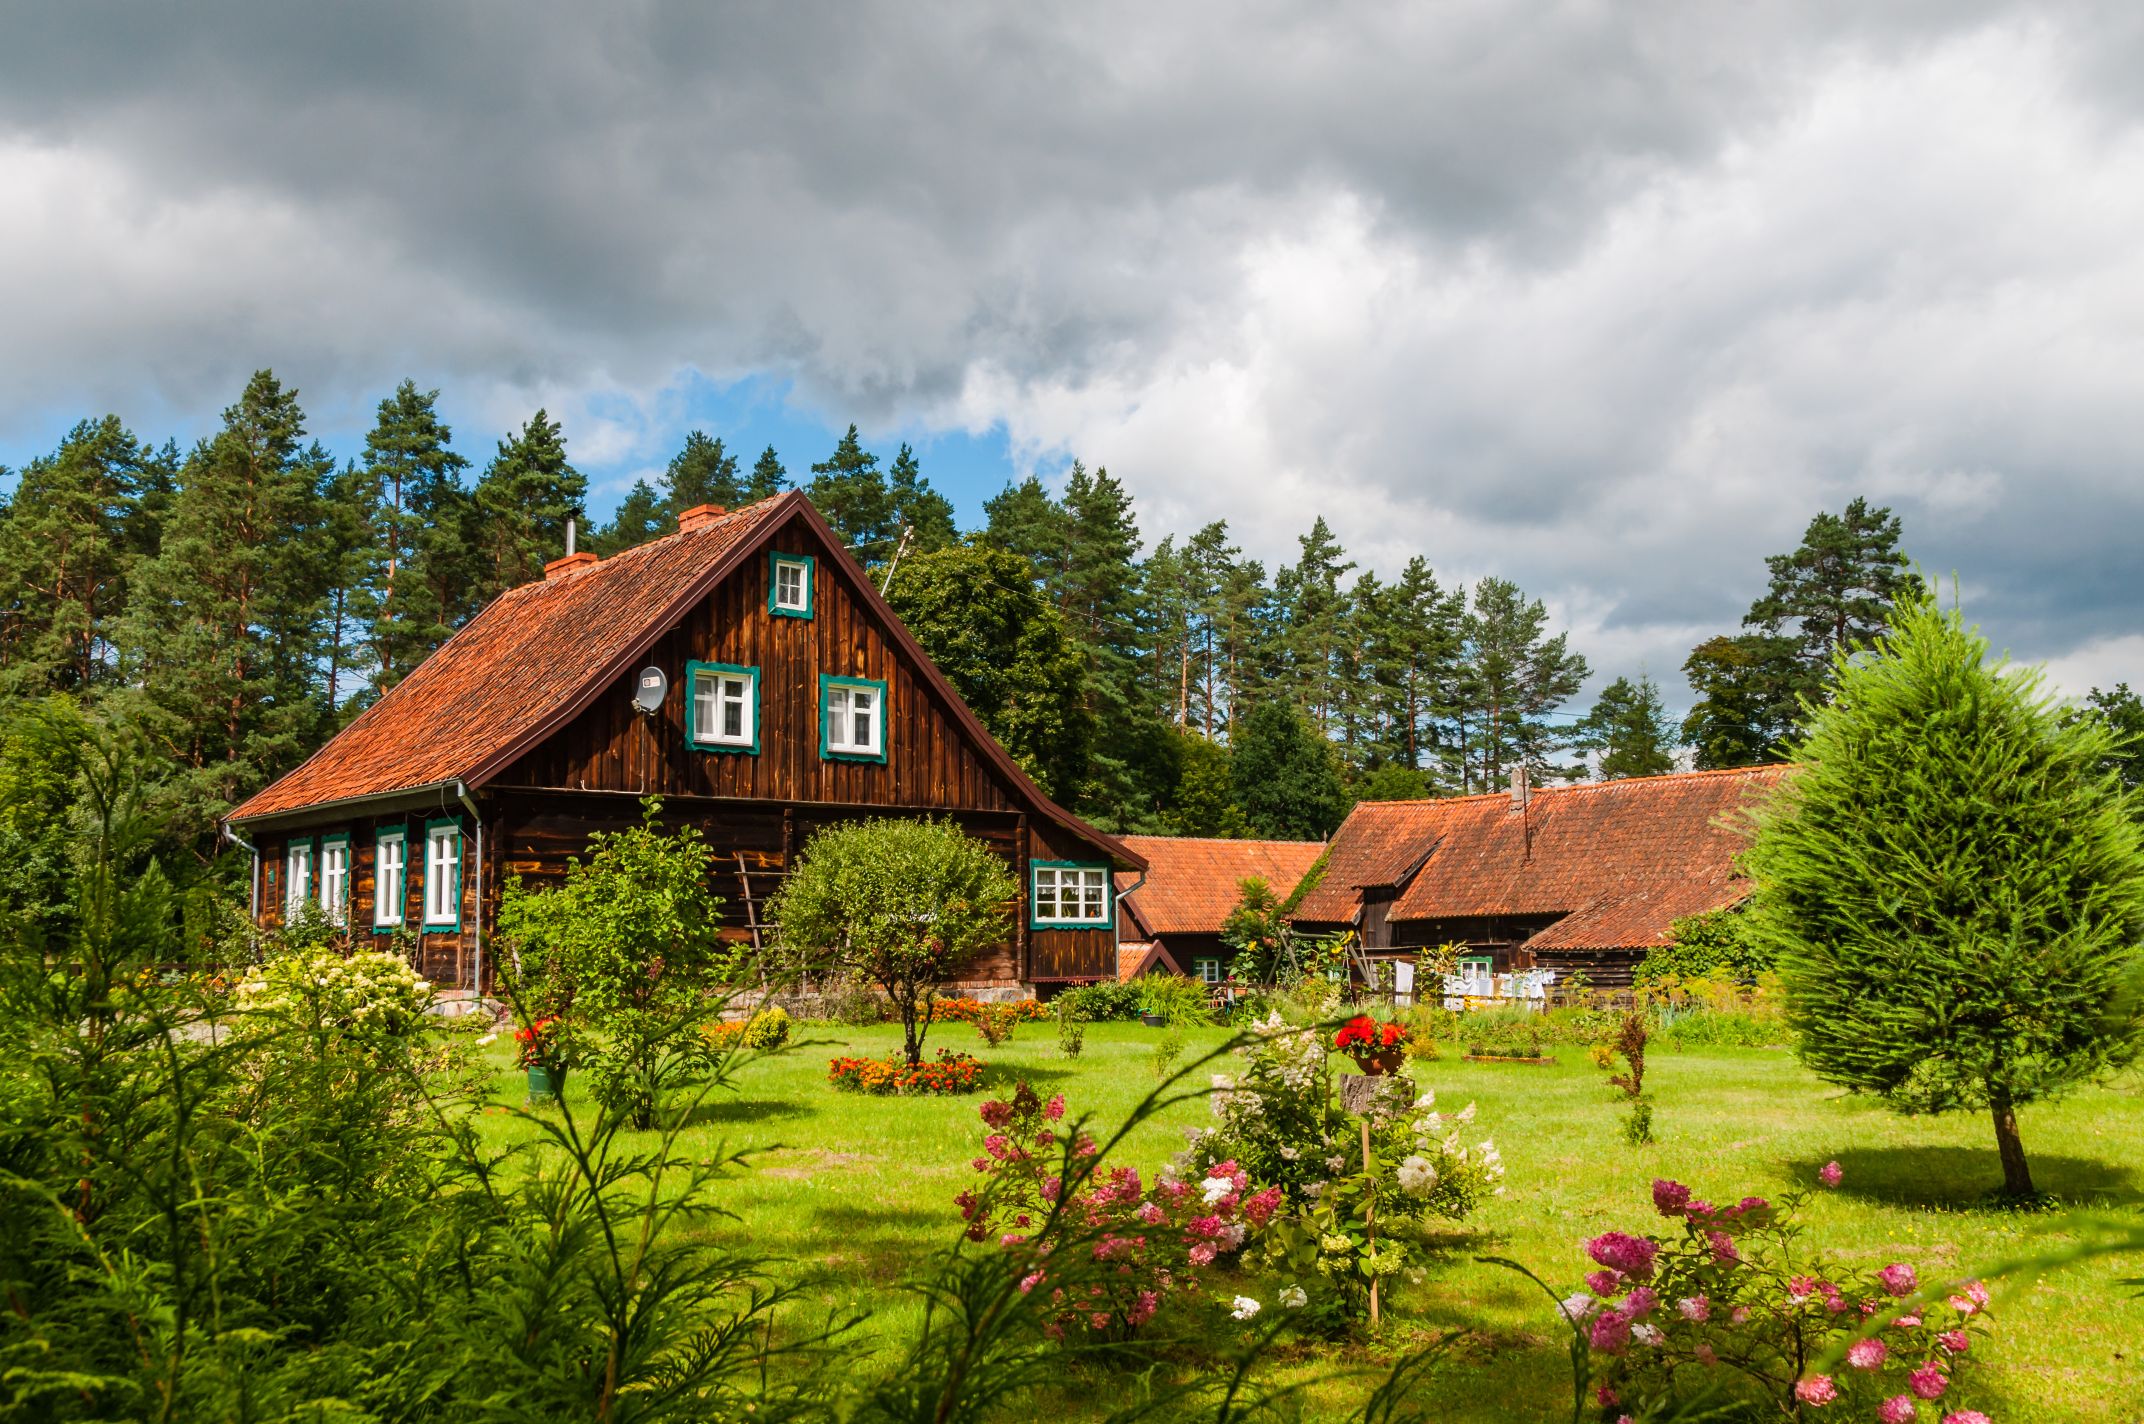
<point>785,696</point>
<point>1170,917</point>
<point>1565,878</point>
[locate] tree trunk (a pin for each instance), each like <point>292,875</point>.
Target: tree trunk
<point>2017,1176</point>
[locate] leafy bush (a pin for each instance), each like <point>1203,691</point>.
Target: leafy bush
<point>1181,1002</point>
<point>1071,1030</point>
<point>768,1029</point>
<point>1730,1309</point>
<point>949,1074</point>
<point>1710,945</point>
<point>366,996</point>
<point>1105,1002</point>
<point>995,1023</point>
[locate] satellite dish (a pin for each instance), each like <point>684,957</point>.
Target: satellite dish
<point>652,687</point>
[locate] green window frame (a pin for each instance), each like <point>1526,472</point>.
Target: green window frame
<point>828,682</point>
<point>432,828</point>
<point>337,914</point>
<point>293,898</point>
<point>776,561</point>
<point>1056,919</point>
<point>398,838</point>
<point>694,671</point>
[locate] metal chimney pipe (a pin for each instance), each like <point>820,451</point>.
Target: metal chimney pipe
<point>569,536</point>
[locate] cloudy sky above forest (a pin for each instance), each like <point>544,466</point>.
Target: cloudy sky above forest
<point>1604,298</point>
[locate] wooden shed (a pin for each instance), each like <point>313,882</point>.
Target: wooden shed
<point>791,698</point>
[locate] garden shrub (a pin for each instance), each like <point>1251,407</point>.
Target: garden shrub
<point>948,1075</point>
<point>1071,1029</point>
<point>1730,1309</point>
<point>995,1022</point>
<point>368,996</point>
<point>1044,1197</point>
<point>1711,945</point>
<point>1279,1123</point>
<point>1105,1002</point>
<point>1181,1002</point>
<point>969,1010</point>
<point>764,1031</point>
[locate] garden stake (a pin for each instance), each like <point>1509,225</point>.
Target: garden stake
<point>1369,1214</point>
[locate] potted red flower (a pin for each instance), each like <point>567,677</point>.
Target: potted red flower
<point>1377,1048</point>
<point>539,1055</point>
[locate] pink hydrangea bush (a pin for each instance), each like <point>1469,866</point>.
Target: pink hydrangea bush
<point>1726,1303</point>
<point>1113,1249</point>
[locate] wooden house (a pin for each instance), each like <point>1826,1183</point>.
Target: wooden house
<point>1565,878</point>
<point>783,696</point>
<point>1170,916</point>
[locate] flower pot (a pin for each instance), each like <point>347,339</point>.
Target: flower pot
<point>1377,1065</point>
<point>1153,1020</point>
<point>545,1083</point>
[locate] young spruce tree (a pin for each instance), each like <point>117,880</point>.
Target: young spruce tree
<point>1954,885</point>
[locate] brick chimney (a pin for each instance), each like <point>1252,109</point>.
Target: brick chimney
<point>559,568</point>
<point>699,517</point>
<point>1521,792</point>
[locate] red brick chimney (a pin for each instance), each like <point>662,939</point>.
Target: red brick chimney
<point>559,568</point>
<point>699,517</point>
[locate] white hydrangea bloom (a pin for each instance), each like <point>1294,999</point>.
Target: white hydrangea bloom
<point>1243,1307</point>
<point>1417,1175</point>
<point>1294,1297</point>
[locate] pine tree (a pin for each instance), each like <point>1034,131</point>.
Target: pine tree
<point>523,501</point>
<point>1410,634</point>
<point>1285,778</point>
<point>1517,676</point>
<point>767,479</point>
<point>1316,609</point>
<point>1098,591</point>
<point>640,516</point>
<point>925,514</point>
<point>700,473</point>
<point>1209,564</point>
<point>409,455</point>
<point>849,490</point>
<point>1953,883</point>
<point>223,627</point>
<point>1629,729</point>
<point>1023,519</point>
<point>64,554</point>
<point>352,513</point>
<point>1837,590</point>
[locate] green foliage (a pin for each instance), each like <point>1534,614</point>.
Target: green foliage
<point>1710,945</point>
<point>1520,676</point>
<point>1179,1001</point>
<point>902,903</point>
<point>1286,778</point>
<point>767,1029</point>
<point>2122,713</point>
<point>624,952</point>
<point>1629,730</point>
<point>1006,650</point>
<point>525,497</point>
<point>1392,783</point>
<point>1953,884</point>
<point>1204,803</point>
<point>1071,1028</point>
<point>1748,703</point>
<point>1104,1002</point>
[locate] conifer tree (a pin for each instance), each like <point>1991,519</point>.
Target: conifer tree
<point>1099,593</point>
<point>768,478</point>
<point>351,513</point>
<point>1953,883</point>
<point>1748,703</point>
<point>1023,519</point>
<point>924,513</point>
<point>700,473</point>
<point>1285,778</point>
<point>640,516</point>
<point>1316,609</point>
<point>64,555</point>
<point>1836,591</point>
<point>1517,677</point>
<point>422,564</point>
<point>1629,730</point>
<point>850,491</point>
<point>1209,566</point>
<point>523,502</point>
<point>1410,634</point>
<point>222,630</point>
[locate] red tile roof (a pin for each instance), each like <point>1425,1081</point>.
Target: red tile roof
<point>504,675</point>
<point>1191,882</point>
<point>1618,861</point>
<point>531,660</point>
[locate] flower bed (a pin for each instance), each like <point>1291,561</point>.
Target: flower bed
<point>949,1075</point>
<point>966,1010</point>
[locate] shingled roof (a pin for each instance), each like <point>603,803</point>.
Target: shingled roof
<point>1191,882</point>
<point>537,654</point>
<point>1617,861</point>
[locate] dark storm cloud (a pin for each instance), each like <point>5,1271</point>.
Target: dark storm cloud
<point>1548,289</point>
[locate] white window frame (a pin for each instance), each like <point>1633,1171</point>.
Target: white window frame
<point>1048,884</point>
<point>1207,971</point>
<point>838,718</point>
<point>443,893</point>
<point>777,601</point>
<point>710,687</point>
<point>335,878</point>
<point>387,912</point>
<point>297,876</point>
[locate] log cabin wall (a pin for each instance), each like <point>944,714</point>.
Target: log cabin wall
<point>1066,955</point>
<point>446,956</point>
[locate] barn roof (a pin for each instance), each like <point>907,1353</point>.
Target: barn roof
<point>1616,862</point>
<point>1191,882</point>
<point>539,653</point>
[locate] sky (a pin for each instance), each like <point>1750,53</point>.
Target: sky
<point>1607,299</point>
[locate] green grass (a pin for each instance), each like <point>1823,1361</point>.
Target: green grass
<point>858,1193</point>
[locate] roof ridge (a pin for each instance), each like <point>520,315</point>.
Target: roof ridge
<point>1217,840</point>
<point>1613,782</point>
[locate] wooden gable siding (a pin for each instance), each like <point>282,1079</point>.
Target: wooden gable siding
<point>1061,956</point>
<point>930,761</point>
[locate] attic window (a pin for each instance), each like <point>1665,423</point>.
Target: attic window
<point>1069,895</point>
<point>725,707</point>
<point>789,586</point>
<point>852,718</point>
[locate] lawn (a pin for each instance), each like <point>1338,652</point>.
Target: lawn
<point>858,1192</point>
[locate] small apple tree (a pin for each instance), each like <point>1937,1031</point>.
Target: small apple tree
<point>901,903</point>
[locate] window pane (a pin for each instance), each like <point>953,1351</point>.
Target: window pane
<point>703,707</point>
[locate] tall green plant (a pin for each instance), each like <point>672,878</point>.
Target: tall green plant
<point>901,903</point>
<point>1954,885</point>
